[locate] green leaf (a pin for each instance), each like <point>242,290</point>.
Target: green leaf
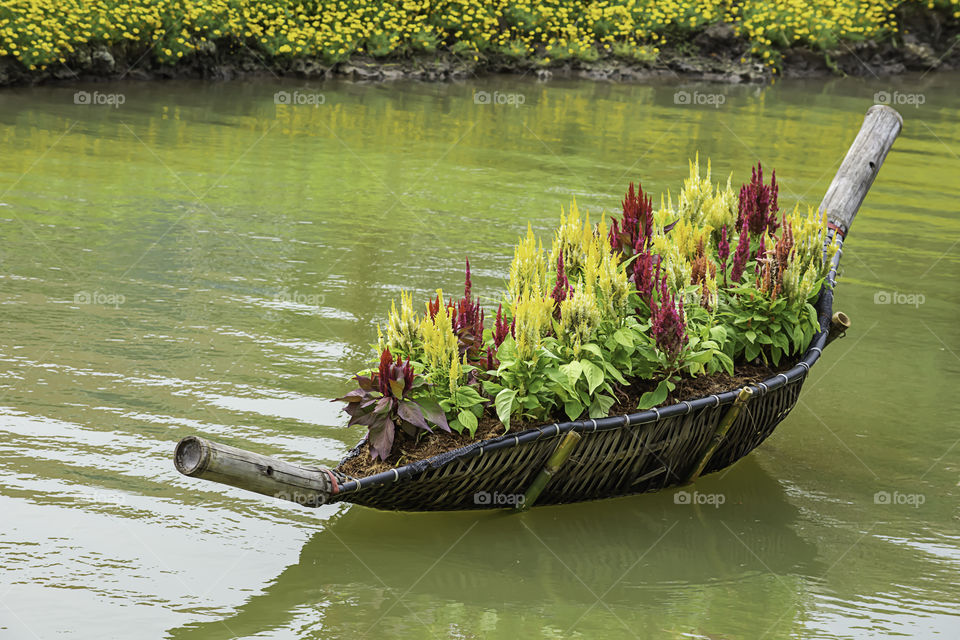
<point>573,409</point>
<point>600,407</point>
<point>504,405</point>
<point>592,348</point>
<point>653,398</point>
<point>593,373</point>
<point>467,396</point>
<point>751,335</point>
<point>572,370</point>
<point>616,375</point>
<point>469,421</point>
<point>624,337</point>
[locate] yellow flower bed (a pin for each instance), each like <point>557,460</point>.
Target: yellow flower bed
<point>40,33</point>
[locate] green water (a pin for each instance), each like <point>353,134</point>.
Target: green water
<point>203,261</point>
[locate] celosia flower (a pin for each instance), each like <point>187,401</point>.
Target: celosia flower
<point>742,254</point>
<point>643,276</point>
<point>669,330</point>
<point>579,316</point>
<point>500,328</point>
<point>723,252</point>
<point>562,288</point>
<point>758,204</point>
<point>631,234</point>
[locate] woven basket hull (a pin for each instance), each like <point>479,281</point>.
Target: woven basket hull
<point>615,456</point>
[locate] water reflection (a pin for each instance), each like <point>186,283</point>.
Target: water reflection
<point>638,561</point>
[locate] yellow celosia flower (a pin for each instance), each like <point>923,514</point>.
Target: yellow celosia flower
<point>403,328</point>
<point>528,271</point>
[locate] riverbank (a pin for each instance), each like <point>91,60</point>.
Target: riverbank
<point>748,42</point>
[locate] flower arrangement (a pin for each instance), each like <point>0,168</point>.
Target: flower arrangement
<point>652,298</point>
<point>41,33</point>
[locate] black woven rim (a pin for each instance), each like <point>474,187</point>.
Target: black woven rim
<point>824,308</point>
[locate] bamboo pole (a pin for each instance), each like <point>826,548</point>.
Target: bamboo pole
<point>839,324</point>
<point>554,462</point>
<point>307,486</point>
<point>725,423</point>
<point>849,187</point>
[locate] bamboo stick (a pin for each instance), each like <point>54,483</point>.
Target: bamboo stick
<point>307,486</point>
<point>849,187</point>
<point>554,462</point>
<point>839,324</point>
<point>725,423</point>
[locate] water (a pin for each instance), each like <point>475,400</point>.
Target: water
<point>203,261</point>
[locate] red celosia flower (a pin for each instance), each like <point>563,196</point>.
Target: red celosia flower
<point>723,251</point>
<point>399,372</point>
<point>758,204</point>
<point>562,289</point>
<point>742,254</point>
<point>631,234</point>
<point>668,328</point>
<point>643,273</point>
<point>467,320</point>
<point>500,328</point>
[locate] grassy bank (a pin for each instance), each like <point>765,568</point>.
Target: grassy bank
<point>37,36</point>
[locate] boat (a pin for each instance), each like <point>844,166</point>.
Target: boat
<point>590,459</point>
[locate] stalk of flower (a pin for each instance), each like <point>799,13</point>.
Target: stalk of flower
<point>758,204</point>
<point>742,254</point>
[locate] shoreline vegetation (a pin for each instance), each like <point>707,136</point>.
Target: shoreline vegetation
<point>753,41</point>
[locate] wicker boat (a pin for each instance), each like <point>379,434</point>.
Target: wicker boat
<point>607,457</point>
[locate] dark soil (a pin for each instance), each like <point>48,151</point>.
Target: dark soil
<point>926,42</point>
<point>407,450</point>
